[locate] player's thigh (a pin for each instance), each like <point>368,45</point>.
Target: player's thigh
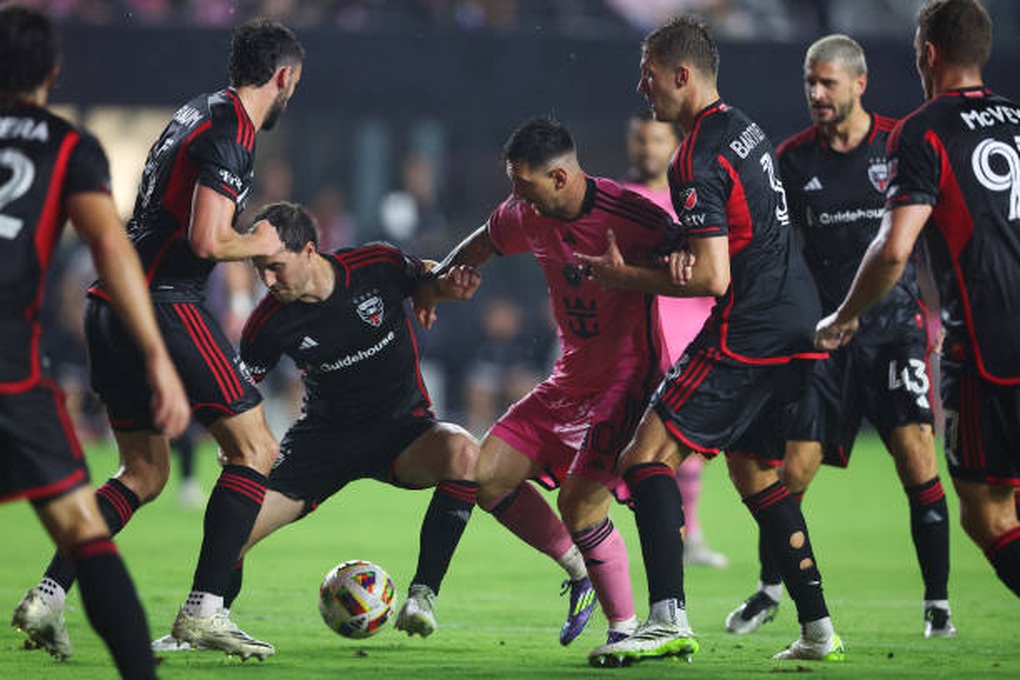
<point>582,502</point>
<point>652,443</point>
<point>73,518</point>
<point>750,474</point>
<point>986,510</point>
<point>277,511</point>
<point>801,462</point>
<point>444,451</point>
<point>245,439</point>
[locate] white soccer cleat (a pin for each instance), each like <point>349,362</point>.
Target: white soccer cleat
<point>697,553</point>
<point>168,643</point>
<point>42,621</point>
<point>417,615</point>
<point>218,632</point>
<point>806,650</point>
<point>651,640</point>
<point>937,623</point>
<point>756,610</point>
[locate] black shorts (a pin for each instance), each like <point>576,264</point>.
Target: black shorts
<point>889,384</point>
<point>40,457</point>
<point>713,403</point>
<point>982,440</point>
<point>320,454</point>
<point>206,361</point>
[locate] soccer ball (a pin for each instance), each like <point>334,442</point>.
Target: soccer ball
<point>357,598</point>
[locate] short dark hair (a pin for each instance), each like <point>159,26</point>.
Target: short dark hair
<point>293,223</point>
<point>684,37</point>
<point>29,49</point>
<point>960,30</point>
<point>257,48</point>
<point>537,141</point>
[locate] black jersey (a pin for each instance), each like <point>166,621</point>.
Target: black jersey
<point>724,182</point>
<point>43,160</point>
<point>209,141</point>
<point>960,154</point>
<point>356,349</point>
<point>836,202</point>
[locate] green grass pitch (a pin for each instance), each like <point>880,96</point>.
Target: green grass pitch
<point>499,611</point>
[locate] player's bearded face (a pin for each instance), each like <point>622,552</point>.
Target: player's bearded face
<point>285,274</point>
<point>650,145</point>
<point>280,103</point>
<point>656,85</point>
<point>832,92</point>
<point>535,187</point>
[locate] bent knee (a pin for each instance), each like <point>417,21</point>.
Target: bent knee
<point>462,457</point>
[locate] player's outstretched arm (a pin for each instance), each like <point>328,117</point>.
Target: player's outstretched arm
<point>472,252</point>
<point>94,216</point>
<point>880,269</point>
<point>704,270</point>
<point>212,236</point>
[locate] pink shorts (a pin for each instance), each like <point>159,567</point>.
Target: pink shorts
<point>575,433</point>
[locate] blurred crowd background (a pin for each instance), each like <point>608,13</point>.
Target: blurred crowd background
<point>396,129</point>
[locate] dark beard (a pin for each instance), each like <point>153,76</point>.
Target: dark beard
<point>273,115</point>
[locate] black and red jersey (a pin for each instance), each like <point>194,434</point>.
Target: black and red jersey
<point>960,154</point>
<point>836,201</point>
<point>209,141</point>
<point>43,160</point>
<point>724,181</point>
<point>356,348</point>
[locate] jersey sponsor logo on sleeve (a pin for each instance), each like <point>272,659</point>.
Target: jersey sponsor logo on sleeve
<point>878,174</point>
<point>370,308</point>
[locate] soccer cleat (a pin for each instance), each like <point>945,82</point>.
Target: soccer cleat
<point>417,615</point>
<point>615,636</point>
<point>651,640</point>
<point>218,632</point>
<point>805,650</point>
<point>43,623</point>
<point>749,617</point>
<point>937,623</point>
<point>582,606</point>
<point>697,553</point>
<point>168,643</point>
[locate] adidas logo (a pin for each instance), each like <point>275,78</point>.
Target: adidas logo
<point>814,184</point>
<point>307,343</point>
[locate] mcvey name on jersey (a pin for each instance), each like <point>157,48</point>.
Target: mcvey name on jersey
<point>360,355</point>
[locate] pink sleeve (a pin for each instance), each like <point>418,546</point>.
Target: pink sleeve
<point>506,228</point>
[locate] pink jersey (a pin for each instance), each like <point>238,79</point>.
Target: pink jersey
<point>606,336</point>
<point>681,318</point>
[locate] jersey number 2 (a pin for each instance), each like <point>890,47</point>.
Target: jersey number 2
<point>22,175</point>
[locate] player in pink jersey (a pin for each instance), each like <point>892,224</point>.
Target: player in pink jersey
<point>650,146</point>
<point>568,431</point>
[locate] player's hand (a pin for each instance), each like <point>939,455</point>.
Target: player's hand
<point>170,409</point>
<point>268,237</point>
<point>604,268</point>
<point>680,264</point>
<point>459,282</point>
<point>830,333</point>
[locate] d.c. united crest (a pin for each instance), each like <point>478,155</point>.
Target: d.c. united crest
<point>370,308</point>
<point>878,174</point>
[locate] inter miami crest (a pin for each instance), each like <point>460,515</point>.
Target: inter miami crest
<point>878,174</point>
<point>370,308</point>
